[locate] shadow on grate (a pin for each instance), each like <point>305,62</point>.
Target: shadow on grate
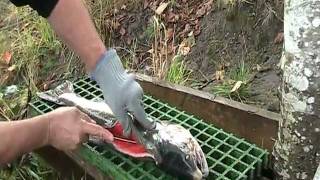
<point>228,156</point>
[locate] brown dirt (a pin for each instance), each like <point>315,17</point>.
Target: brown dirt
<point>228,36</point>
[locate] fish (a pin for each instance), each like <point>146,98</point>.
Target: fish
<point>169,145</point>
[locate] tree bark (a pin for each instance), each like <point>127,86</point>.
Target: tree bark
<point>296,151</point>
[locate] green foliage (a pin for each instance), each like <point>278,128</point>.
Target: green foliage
<point>32,43</point>
<point>149,32</point>
<point>13,105</point>
<point>178,72</point>
<point>29,167</point>
<point>240,73</point>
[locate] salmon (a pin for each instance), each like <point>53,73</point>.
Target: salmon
<point>169,145</point>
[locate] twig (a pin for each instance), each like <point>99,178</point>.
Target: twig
<point>206,84</point>
<point>2,113</point>
<point>203,76</point>
<point>274,12</point>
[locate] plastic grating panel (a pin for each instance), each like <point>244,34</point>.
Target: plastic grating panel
<point>228,156</point>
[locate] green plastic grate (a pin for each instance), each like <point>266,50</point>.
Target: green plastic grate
<point>228,156</point>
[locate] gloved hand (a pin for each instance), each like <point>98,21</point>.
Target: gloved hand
<point>121,92</point>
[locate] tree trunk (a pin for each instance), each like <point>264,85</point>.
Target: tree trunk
<point>297,151</point>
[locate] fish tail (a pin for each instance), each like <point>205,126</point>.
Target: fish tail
<point>53,95</point>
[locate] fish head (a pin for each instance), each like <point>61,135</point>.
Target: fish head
<point>180,152</point>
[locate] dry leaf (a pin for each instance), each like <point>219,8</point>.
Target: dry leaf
<point>226,64</point>
<point>6,57</point>
<point>185,31</point>
<point>122,31</point>
<point>236,86</point>
<point>169,33</point>
<point>172,17</point>
<point>258,67</point>
<point>150,51</point>
<point>184,47</point>
<point>153,5</point>
<point>219,75</point>
<point>12,68</point>
<point>116,25</point>
<point>202,11</point>
<point>197,29</point>
<point>123,7</point>
<point>184,50</point>
<point>161,8</point>
<point>279,38</point>
<point>129,40</point>
<point>115,11</point>
<point>145,4</point>
<point>45,86</point>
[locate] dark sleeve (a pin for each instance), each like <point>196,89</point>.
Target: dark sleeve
<point>43,7</point>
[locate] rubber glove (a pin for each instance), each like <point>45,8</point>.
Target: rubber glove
<point>121,92</point>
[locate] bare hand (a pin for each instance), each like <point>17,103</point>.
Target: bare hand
<point>69,128</point>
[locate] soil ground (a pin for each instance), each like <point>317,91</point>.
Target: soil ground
<point>242,35</point>
<point>249,33</point>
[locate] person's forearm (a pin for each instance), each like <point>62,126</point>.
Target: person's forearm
<point>71,21</point>
<point>18,137</point>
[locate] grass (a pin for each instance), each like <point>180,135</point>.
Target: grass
<point>240,73</point>
<point>36,52</point>
<point>28,167</point>
<point>159,49</point>
<point>178,72</point>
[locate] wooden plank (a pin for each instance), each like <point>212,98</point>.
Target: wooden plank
<point>256,125</point>
<point>70,165</point>
<point>65,165</point>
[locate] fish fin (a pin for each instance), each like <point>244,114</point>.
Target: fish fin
<point>53,95</point>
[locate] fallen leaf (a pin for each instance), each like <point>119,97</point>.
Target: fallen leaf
<point>45,86</point>
<point>236,86</point>
<point>128,40</point>
<point>150,51</point>
<point>115,11</point>
<point>153,5</point>
<point>6,57</point>
<point>169,33</point>
<point>145,4</point>
<point>4,78</point>
<point>12,68</point>
<point>122,31</point>
<point>184,50</point>
<point>172,17</point>
<point>258,67</point>
<point>196,28</point>
<point>279,38</point>
<point>185,31</point>
<point>161,8</point>
<point>202,11</point>
<point>191,39</point>
<point>123,7</point>
<point>209,5</point>
<point>219,75</point>
<point>116,25</point>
